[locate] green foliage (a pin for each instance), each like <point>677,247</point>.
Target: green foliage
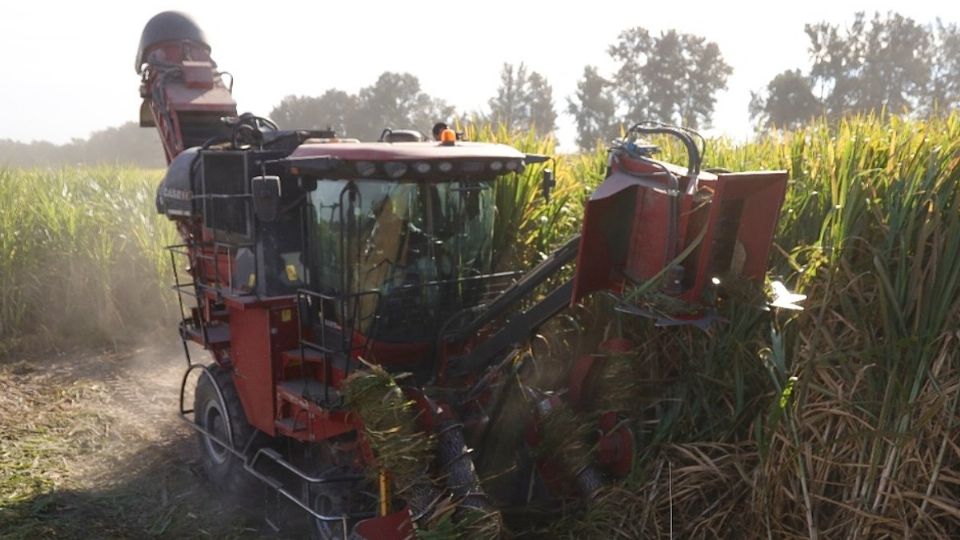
<point>669,78</point>
<point>594,108</point>
<point>889,63</point>
<point>127,144</point>
<point>390,426</point>
<point>81,256</point>
<point>788,103</point>
<point>523,100</point>
<point>836,421</point>
<point>564,440</point>
<point>801,424</point>
<point>528,226</point>
<point>473,524</point>
<point>394,101</point>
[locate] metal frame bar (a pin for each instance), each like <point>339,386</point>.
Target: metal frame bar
<point>250,461</point>
<point>347,348</point>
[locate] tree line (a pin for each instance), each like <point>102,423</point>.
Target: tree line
<point>124,144</point>
<point>886,63</point>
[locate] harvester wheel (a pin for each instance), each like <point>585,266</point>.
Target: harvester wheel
<point>217,409</point>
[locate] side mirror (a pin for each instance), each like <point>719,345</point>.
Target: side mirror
<point>266,197</point>
<point>547,183</point>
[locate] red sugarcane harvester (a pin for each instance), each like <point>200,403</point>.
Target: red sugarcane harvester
<point>310,259</point>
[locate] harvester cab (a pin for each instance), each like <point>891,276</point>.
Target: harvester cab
<point>315,270</point>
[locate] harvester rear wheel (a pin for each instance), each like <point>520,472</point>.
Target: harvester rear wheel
<point>218,410</point>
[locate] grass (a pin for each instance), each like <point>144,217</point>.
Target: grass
<point>527,225</point>
<point>842,420</point>
<point>80,255</point>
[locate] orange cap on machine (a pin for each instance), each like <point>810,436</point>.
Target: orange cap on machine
<point>448,137</point>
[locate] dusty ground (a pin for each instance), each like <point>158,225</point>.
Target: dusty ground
<point>91,446</point>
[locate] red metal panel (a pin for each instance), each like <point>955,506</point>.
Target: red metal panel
<point>284,332</point>
<point>764,193</point>
<point>198,74</point>
<point>759,196</point>
<point>731,212</point>
<point>199,89</point>
<point>250,352</point>
<point>306,421</point>
<point>601,256</point>
<point>395,526</point>
<point>217,99</point>
<point>397,354</point>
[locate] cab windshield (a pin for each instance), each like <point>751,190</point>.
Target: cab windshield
<point>411,253</point>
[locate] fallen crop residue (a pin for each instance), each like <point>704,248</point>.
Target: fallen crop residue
<point>91,447</point>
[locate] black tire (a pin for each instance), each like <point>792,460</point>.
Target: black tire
<point>332,499</point>
<point>225,419</point>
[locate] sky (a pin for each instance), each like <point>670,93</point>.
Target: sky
<point>68,67</point>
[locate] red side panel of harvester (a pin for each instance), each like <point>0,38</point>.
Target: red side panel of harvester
<point>724,227</point>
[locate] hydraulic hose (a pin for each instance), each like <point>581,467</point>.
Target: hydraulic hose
<point>694,156</point>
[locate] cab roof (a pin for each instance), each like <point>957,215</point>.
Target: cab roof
<point>405,151</point>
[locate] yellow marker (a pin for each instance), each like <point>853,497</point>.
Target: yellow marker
<point>286,315</point>
<point>291,273</point>
<point>384,493</point>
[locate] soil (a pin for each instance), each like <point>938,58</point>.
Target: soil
<point>93,447</point>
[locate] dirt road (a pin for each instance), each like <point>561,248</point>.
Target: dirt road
<point>91,447</point>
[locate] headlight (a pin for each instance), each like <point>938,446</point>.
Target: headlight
<point>395,169</point>
<point>366,168</point>
<point>423,167</point>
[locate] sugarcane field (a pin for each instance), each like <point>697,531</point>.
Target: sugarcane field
<point>668,279</point>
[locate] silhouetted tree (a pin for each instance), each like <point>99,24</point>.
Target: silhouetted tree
<point>881,64</point>
<point>629,81</point>
<point>539,104</point>
<point>506,108</point>
<point>944,93</point>
<point>671,78</point>
<point>523,100</point>
<point>594,108</point>
<point>787,103</point>
<point>334,109</point>
<point>429,111</point>
<point>887,63</point>
<point>394,101</point>
<point>128,144</point>
<point>701,84</point>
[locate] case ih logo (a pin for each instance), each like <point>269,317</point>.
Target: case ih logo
<point>177,194</point>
